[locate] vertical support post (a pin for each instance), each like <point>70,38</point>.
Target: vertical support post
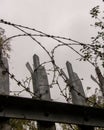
<point>41,89</point>
<point>4,77</point>
<point>4,90</point>
<point>101,80</point>
<point>77,87</point>
<point>40,83</point>
<point>77,91</point>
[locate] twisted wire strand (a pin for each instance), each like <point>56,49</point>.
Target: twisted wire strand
<point>52,57</point>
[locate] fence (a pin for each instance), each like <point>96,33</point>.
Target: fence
<point>41,108</point>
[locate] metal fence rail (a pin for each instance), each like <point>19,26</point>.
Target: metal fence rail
<point>26,108</point>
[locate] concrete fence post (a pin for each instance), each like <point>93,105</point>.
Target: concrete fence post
<point>41,89</point>
<point>101,79</point>
<point>77,92</point>
<point>4,90</point>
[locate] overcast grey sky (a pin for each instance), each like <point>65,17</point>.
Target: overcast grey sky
<point>69,18</point>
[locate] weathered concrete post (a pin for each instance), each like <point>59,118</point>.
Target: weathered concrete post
<point>4,77</point>
<point>101,80</point>
<point>41,89</point>
<point>76,86</point>
<point>4,90</point>
<point>77,91</point>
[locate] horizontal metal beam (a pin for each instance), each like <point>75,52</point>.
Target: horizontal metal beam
<point>32,109</point>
